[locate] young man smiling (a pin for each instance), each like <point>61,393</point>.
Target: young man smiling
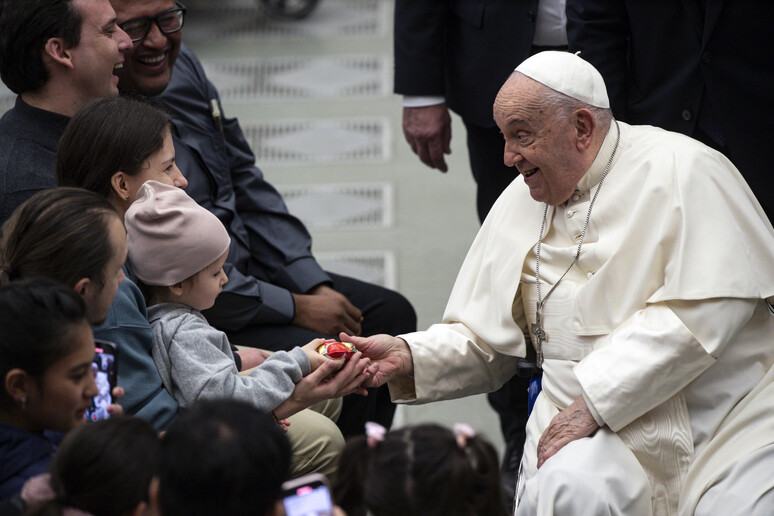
<point>56,55</point>
<point>277,296</point>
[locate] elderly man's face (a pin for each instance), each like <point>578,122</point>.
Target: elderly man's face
<point>537,142</point>
<point>148,65</point>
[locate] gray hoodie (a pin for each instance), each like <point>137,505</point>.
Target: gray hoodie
<point>195,362</point>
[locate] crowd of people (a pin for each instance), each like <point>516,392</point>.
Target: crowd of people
<point>132,212</point>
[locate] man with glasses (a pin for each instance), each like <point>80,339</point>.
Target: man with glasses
<point>277,296</point>
<point>56,55</point>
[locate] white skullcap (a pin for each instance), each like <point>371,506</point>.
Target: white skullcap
<point>569,74</point>
<point>169,236</point>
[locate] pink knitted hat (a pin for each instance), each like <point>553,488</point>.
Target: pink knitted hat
<point>170,237</point>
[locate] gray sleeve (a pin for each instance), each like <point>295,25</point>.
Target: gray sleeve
<point>202,367</point>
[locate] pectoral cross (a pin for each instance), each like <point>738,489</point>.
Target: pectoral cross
<point>540,337</point>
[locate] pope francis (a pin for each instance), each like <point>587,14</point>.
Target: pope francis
<point>637,263</point>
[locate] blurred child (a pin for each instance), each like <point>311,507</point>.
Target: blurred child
<point>425,470</point>
<point>221,457</point>
<point>104,468</point>
<point>46,351</point>
<point>177,250</point>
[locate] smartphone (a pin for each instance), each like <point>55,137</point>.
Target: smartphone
<point>309,495</point>
<point>105,370</point>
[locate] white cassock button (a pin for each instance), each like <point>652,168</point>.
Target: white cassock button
<point>589,274</point>
<point>569,213</point>
<point>576,197</point>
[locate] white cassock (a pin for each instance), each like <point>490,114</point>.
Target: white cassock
<point>662,326</point>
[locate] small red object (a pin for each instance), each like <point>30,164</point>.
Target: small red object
<point>336,350</point>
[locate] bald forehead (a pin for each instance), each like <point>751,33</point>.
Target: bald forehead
<point>520,96</point>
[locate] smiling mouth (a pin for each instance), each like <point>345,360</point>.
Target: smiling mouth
<point>118,67</point>
<point>152,60</point>
<point>528,173</point>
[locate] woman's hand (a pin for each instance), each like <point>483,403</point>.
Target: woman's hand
<point>114,409</point>
<point>333,379</point>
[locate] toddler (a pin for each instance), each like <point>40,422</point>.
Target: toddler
<point>177,250</point>
<point>424,470</point>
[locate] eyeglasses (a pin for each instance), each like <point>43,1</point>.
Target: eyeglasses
<point>168,22</point>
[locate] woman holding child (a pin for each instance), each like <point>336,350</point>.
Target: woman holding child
<point>113,146</point>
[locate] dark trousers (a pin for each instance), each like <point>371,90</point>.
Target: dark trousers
<point>486,148</point>
<point>384,311</point>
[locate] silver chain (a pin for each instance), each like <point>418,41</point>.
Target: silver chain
<point>540,302</point>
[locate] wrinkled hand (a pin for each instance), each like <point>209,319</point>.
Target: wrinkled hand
<point>114,409</point>
<point>315,359</point>
<point>333,379</point>
<point>391,356</point>
<point>326,311</point>
<point>568,425</point>
<point>428,132</point>
<point>252,357</point>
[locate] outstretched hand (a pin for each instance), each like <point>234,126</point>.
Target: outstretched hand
<point>391,356</point>
<point>572,423</point>
<point>333,379</point>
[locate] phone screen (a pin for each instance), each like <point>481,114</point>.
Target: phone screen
<point>309,500</point>
<point>104,370</point>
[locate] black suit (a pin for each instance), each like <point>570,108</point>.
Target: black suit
<point>464,50</point>
<point>686,65</point>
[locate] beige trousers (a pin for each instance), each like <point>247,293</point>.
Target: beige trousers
<point>315,440</point>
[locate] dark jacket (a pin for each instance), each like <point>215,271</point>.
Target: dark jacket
<point>660,59</point>
<point>28,141</point>
<point>463,50</point>
<point>270,254</point>
<point>23,455</point>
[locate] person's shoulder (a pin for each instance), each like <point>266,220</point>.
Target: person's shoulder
<point>173,322</point>
<point>127,308</point>
<point>175,316</point>
<point>188,71</point>
<point>668,154</point>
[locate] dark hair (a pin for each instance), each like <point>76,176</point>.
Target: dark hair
<point>36,316</point>
<point>222,457</point>
<point>107,135</point>
<point>61,233</point>
<point>25,27</point>
<point>103,468</point>
<point>419,470</point>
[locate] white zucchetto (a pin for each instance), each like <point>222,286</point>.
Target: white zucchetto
<point>569,74</point>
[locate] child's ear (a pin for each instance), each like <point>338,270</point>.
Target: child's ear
<point>177,289</point>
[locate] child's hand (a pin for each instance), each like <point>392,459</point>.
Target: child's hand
<point>315,359</point>
<point>283,424</point>
<point>333,379</point>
